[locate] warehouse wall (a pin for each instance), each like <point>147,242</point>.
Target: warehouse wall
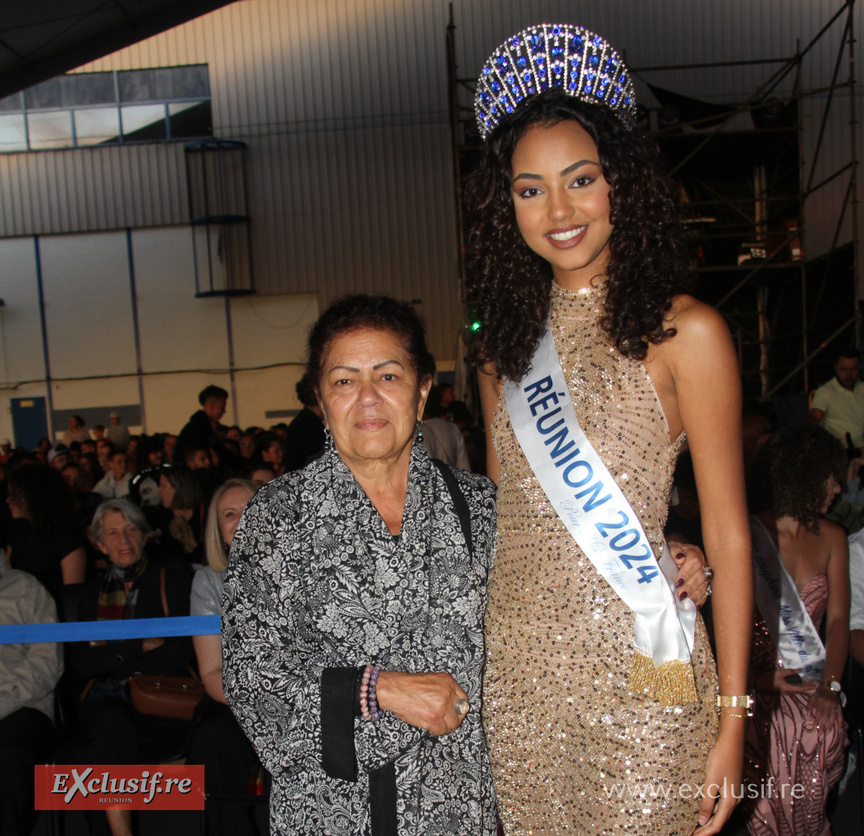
<point>151,357</point>
<point>343,106</point>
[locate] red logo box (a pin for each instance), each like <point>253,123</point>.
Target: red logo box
<point>138,787</point>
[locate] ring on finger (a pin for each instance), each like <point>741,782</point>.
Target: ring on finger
<point>709,574</point>
<point>461,708</point>
<point>708,590</point>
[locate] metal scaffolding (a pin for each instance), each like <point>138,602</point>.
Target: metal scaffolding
<point>745,186</point>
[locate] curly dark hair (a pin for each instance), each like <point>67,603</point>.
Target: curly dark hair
<point>508,286</point>
<point>380,313</point>
<point>789,473</point>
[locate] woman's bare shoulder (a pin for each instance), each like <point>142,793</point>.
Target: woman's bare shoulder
<point>833,535</point>
<point>695,320</point>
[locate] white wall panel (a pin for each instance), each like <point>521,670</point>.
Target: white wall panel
<point>178,332</point>
<point>21,355</point>
<point>271,329</point>
<point>266,390</point>
<point>88,308</point>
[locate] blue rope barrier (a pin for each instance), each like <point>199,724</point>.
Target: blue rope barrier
<point>132,628</point>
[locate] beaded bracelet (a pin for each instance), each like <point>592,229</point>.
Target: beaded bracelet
<point>369,694</point>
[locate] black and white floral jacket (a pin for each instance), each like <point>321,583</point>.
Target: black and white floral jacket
<point>316,587</point>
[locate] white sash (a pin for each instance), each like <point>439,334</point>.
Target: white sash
<point>606,528</point>
<point>789,625</point>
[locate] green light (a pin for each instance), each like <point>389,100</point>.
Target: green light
<point>475,325</point>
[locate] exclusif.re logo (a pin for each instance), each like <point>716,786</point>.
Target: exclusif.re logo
<point>136,787</point>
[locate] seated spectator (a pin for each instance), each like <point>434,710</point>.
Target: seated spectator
<point>304,438</point>
<point>76,431</point>
<point>199,461</point>
<point>441,438</point>
<point>85,501</point>
<point>247,445</point>
<point>116,433</point>
<point>196,457</point>
<point>233,447</point>
<point>75,451</point>
<point>150,453</point>
<point>132,451</point>
<point>28,676</point>
<point>98,432</point>
<point>169,448</point>
<point>44,539</point>
<point>115,483</point>
<point>89,465</point>
<point>838,406</point>
<point>455,410</point>
<point>103,449</point>
<point>88,446</point>
<point>259,474</point>
<point>234,433</point>
<point>180,515</point>
<point>217,740</point>
<point>847,509</point>
<point>270,452</point>
<point>135,586</point>
<point>797,734</point>
<point>58,456</point>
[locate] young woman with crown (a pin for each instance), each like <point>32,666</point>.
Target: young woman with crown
<point>601,697</point>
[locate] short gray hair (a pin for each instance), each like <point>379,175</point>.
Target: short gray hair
<point>131,513</point>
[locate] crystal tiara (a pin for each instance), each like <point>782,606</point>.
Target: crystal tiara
<point>581,63</point>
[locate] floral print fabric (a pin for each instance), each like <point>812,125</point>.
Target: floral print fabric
<point>315,581</point>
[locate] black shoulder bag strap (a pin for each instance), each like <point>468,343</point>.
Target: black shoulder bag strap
<point>382,781</point>
<point>459,502</point>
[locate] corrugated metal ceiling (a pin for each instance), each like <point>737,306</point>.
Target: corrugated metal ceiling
<point>41,40</point>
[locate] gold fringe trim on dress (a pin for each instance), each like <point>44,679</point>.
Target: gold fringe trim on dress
<point>671,683</point>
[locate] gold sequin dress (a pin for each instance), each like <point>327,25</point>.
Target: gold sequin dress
<point>573,751</point>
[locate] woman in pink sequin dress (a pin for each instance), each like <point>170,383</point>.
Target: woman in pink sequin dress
<point>796,740</point>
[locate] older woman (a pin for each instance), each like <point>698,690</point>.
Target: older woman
<point>217,741</point>
<point>367,566</point>
<point>135,586</point>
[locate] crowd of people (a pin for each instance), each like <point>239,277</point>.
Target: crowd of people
<point>412,647</point>
<point>99,525</point>
<point>112,525</point>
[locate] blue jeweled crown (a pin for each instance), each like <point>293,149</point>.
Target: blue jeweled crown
<point>581,63</point>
